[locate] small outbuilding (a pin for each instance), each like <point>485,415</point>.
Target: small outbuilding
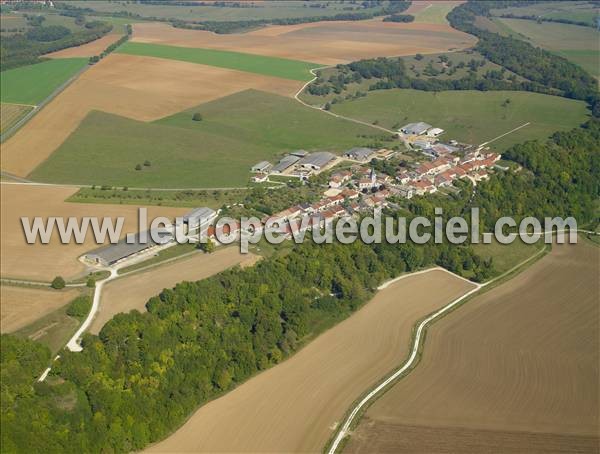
<point>262,167</point>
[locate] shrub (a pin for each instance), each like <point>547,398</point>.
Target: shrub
<point>58,283</point>
<point>147,163</point>
<point>91,282</point>
<point>79,307</point>
<point>197,116</point>
<point>138,167</point>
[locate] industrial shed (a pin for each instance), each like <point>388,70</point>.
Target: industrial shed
<point>262,167</point>
<point>285,163</point>
<point>359,154</point>
<point>415,129</point>
<point>198,216</point>
<point>316,161</point>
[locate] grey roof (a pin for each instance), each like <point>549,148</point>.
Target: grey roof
<point>198,215</point>
<point>299,153</point>
<point>285,162</point>
<point>415,128</point>
<point>262,165</point>
<point>115,252</point>
<point>359,153</point>
<point>319,159</point>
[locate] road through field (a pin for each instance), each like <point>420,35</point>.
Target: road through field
<point>294,406</point>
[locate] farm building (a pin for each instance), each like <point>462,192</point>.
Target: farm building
<point>415,129</point>
<point>262,167</point>
<point>434,132</point>
<point>285,163</point>
<point>316,161</point>
<point>260,177</point>
<point>359,154</point>
<point>199,216</point>
<point>113,253</point>
<point>299,153</point>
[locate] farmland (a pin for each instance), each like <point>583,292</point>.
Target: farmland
<point>580,11</point>
<point>309,392</point>
<point>325,43</point>
<point>10,114</point>
<point>86,50</point>
<point>236,132</point>
<point>43,262</point>
<point>515,369</point>
<point>431,12</point>
<point>132,292</point>
<point>32,84</point>
<point>268,66</point>
<point>146,94</point>
<point>470,116</point>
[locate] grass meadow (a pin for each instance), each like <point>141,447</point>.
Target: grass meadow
<point>470,116</point>
<point>33,83</point>
<point>236,132</point>
<point>258,64</point>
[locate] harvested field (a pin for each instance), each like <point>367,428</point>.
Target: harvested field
<point>132,292</point>
<point>156,88</point>
<point>294,406</point>
<point>514,370</point>
<point>45,261</point>
<point>321,42</point>
<point>21,306</point>
<point>87,50</point>
<point>10,114</point>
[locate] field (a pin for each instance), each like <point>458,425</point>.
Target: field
<point>581,11</point>
<point>148,93</point>
<point>506,256</point>
<point>257,64</point>
<point>10,114</point>
<point>470,116</point>
<point>514,370</point>
<point>321,42</point>
<point>431,12</point>
<point>43,262</point>
<point>34,83</point>
<point>236,132</point>
<point>294,406</point>
<point>23,305</point>
<point>576,43</point>
<point>132,292</point>
<point>87,50</point>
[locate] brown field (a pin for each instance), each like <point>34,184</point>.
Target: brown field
<point>132,292</point>
<point>20,306</point>
<point>142,88</point>
<point>11,113</point>
<point>87,50</point>
<point>319,42</point>
<point>294,406</point>
<point>514,370</point>
<point>44,262</point>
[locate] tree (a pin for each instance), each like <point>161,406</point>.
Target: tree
<point>419,57</point>
<point>197,116</point>
<point>138,167</point>
<point>58,283</point>
<point>208,246</point>
<point>147,163</point>
<point>91,282</point>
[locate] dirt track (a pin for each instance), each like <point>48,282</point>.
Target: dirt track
<point>132,292</point>
<point>20,306</point>
<point>319,42</point>
<point>520,361</point>
<point>44,262</point>
<point>142,88</point>
<point>294,406</point>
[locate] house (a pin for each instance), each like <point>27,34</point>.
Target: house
<point>262,167</point>
<point>423,187</point>
<point>415,129</point>
<point>368,183</point>
<point>422,144</point>
<point>339,178</point>
<point>316,161</point>
<point>403,177</point>
<point>434,132</point>
<point>350,194</point>
<point>359,154</point>
<point>406,192</point>
<point>285,163</point>
<point>260,177</point>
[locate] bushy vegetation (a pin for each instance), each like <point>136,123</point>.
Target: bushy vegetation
<point>80,306</point>
<point>399,18</point>
<point>145,373</point>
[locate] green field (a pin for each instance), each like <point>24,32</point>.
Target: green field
<point>574,42</point>
<point>470,116</point>
<point>33,83</point>
<point>580,11</point>
<point>258,64</point>
<point>435,13</point>
<point>237,131</point>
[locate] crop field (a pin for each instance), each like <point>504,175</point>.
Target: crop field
<point>148,93</point>
<point>23,305</point>
<point>10,114</point>
<point>132,292</point>
<point>581,11</point>
<point>309,392</point>
<point>574,42</point>
<point>43,262</point>
<point>235,133</point>
<point>514,370</point>
<point>87,50</point>
<point>325,43</point>
<point>431,12</point>
<point>33,83</point>
<point>470,116</point>
<point>257,64</point>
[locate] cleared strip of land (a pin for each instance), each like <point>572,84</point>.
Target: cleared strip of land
<point>21,306</point>
<point>132,292</point>
<point>295,406</point>
<point>516,369</point>
<point>142,88</point>
<point>320,42</point>
<point>42,262</point>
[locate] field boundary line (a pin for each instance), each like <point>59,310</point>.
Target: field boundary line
<point>505,134</point>
<point>19,104</point>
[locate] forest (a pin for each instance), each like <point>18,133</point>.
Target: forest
<point>146,372</point>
